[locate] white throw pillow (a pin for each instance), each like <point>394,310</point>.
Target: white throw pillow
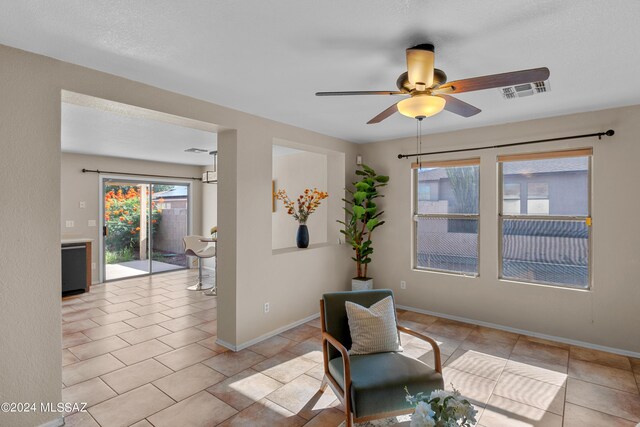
<point>373,329</point>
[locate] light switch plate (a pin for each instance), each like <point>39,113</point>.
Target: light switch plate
<point>91,223</point>
<point>69,223</point>
<point>83,205</point>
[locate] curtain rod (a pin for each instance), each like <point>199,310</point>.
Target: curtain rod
<point>141,174</point>
<point>610,132</point>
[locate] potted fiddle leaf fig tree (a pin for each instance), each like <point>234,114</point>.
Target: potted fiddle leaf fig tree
<point>363,217</point>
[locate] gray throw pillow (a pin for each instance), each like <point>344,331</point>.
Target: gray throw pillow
<point>373,329</point>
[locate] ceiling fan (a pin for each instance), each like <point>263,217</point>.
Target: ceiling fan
<point>429,92</point>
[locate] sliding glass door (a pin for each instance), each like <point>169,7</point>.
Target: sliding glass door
<point>144,224</point>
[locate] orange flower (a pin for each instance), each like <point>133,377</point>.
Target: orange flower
<point>137,228</point>
<point>121,218</point>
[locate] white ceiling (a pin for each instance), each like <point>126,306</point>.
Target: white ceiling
<point>269,57</point>
<point>88,130</point>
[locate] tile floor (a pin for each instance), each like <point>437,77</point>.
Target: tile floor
<point>142,352</point>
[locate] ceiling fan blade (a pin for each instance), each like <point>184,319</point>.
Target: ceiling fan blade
<point>461,108</point>
<point>420,65</point>
<point>361,92</point>
<point>494,80</point>
<point>386,113</point>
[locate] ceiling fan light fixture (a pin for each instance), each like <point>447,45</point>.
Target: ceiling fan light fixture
<point>421,106</point>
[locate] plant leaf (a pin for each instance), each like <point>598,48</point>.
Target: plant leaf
<point>358,211</point>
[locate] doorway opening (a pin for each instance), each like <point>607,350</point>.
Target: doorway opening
<point>144,225</point>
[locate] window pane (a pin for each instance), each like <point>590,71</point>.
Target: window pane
<point>562,182</point>
<point>511,191</point>
<point>511,207</point>
<point>451,190</point>
<point>544,251</point>
<point>448,244</point>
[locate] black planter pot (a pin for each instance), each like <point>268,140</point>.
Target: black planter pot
<point>302,238</point>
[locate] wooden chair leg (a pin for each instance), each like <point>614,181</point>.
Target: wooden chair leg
<point>324,383</point>
<point>349,420</point>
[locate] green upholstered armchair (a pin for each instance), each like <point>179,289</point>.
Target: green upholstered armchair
<point>370,386</point>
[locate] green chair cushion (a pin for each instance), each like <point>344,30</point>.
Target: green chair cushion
<point>378,381</point>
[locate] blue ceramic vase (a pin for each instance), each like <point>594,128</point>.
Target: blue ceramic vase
<point>302,238</point>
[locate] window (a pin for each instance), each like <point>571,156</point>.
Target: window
<point>446,222</point>
<point>511,199</point>
<point>549,241</point>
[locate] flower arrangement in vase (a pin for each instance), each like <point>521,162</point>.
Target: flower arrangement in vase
<point>301,209</point>
<point>441,409</point>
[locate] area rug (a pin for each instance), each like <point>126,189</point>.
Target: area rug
<point>383,422</point>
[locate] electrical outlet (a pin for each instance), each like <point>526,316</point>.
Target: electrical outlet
<point>266,307</point>
<point>91,223</point>
<point>83,205</point>
<point>93,265</point>
<point>69,223</point>
<point>403,284</point>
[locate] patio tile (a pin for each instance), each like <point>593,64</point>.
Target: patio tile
<point>78,325</point>
<point>244,389</point>
<point>113,317</point>
<point>231,363</point>
<point>619,379</point>
<point>185,356</point>
<point>473,387</point>
<point>147,320</point>
<point>134,376</point>
<point>184,337</point>
<point>604,399</point>
<point>96,348</point>
<point>137,336</point>
<point>301,333</point>
<point>272,346</point>
<point>80,419</point>
<point>284,366</point>
<point>601,357</point>
<point>73,339</point>
<point>502,412</point>
<point>264,414</point>
<point>180,323</point>
<point>87,369</point>
<point>131,407</point>
<point>477,363</point>
<point>90,392</point>
<point>114,308</point>
<point>302,397</point>
<point>546,353</point>
<point>82,314</point>
<point>200,410</point>
<point>107,330</point>
<point>148,309</point>
<point>551,373</point>
<point>188,381</point>
<point>578,416</point>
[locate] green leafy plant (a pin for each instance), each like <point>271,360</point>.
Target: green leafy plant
<point>363,216</point>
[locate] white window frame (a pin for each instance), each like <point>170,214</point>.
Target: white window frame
<point>442,164</point>
<point>587,152</point>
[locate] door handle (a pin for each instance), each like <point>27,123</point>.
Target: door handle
<point>104,231</point>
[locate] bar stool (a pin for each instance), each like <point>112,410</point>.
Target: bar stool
<point>193,246</point>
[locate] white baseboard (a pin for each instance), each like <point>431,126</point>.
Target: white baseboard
<point>525,332</point>
<point>58,422</point>
<point>267,335</point>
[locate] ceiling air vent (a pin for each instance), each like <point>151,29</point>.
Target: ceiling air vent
<point>196,150</point>
<point>527,89</point>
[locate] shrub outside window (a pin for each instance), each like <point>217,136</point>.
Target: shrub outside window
<point>548,240</point>
<point>446,223</point>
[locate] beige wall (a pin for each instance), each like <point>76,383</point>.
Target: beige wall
<point>607,315</point>
<point>294,173</point>
<point>248,275</point>
<point>76,186</point>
